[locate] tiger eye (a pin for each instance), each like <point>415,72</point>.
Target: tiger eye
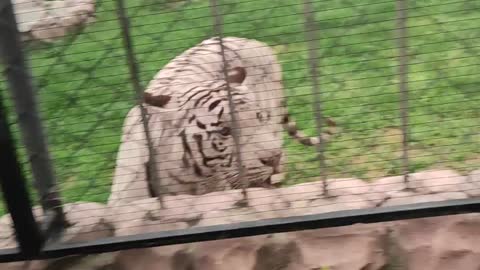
<point>225,131</point>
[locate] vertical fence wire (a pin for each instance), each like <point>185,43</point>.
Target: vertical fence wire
<point>402,39</point>
<point>152,167</point>
<point>312,38</point>
<point>218,29</point>
<point>22,90</point>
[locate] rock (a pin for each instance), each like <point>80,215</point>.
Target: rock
<point>347,186</point>
<point>27,13</point>
<point>407,197</point>
<point>28,265</point>
<point>233,216</point>
<point>387,184</point>
<point>342,203</point>
<point>429,243</point>
<point>438,182</point>
<point>147,216</point>
<point>89,221</point>
<point>300,196</point>
<point>56,9</point>
<point>217,201</point>
<point>94,262</point>
<point>226,209</point>
<point>259,252</point>
<point>148,225</point>
<point>238,253</point>
<point>268,200</point>
<point>355,247</point>
<point>49,20</point>
<point>474,180</point>
<point>73,13</point>
<point>438,242</point>
<point>280,252</point>
<point>47,29</point>
<point>378,190</point>
<point>176,257</point>
<point>456,245</point>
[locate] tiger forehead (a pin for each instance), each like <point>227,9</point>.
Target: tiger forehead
<point>211,95</point>
<point>216,113</point>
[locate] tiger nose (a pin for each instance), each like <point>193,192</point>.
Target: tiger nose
<point>271,158</point>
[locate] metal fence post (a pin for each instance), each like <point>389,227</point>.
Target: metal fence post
<point>312,38</point>
<point>15,192</point>
<point>22,90</point>
<point>402,15</point>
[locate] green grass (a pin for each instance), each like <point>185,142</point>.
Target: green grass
<point>85,91</point>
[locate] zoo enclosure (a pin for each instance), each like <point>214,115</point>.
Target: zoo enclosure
<point>90,70</point>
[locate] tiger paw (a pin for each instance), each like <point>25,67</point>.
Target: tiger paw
<point>277,179</point>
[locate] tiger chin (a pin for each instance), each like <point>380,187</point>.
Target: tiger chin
<point>193,136</point>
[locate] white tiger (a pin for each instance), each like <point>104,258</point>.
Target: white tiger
<point>191,128</point>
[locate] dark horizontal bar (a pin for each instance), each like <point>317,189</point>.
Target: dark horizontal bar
<point>252,228</point>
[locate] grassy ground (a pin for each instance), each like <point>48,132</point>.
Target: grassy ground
<point>85,93</point>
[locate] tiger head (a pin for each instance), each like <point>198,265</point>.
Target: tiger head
<point>215,141</point>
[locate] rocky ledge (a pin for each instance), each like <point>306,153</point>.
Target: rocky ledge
<point>47,21</point>
<point>429,243</point>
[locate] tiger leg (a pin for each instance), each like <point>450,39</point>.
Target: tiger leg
<point>279,177</point>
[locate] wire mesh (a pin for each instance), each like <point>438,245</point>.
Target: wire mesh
<point>386,90</point>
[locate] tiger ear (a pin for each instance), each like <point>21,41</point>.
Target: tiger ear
<point>236,75</point>
<point>157,101</point>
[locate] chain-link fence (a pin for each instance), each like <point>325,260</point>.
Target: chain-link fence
<point>317,108</point>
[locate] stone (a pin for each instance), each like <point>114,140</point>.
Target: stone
<point>388,184</point>
<point>456,244</point>
<point>474,180</point>
<point>93,262</point>
<point>407,197</point>
<point>279,252</point>
<point>259,253</point>
<point>237,253</point>
<point>175,257</point>
<point>56,9</point>
<point>438,243</point>
<point>300,196</point>
<point>347,186</point>
<point>350,202</point>
<point>434,181</point>
<point>147,216</point>
<point>89,221</point>
<point>25,265</point>
<point>217,201</point>
<point>233,216</point>
<point>262,200</point>
<point>356,247</point>
<point>47,21</point>
<point>27,16</point>
<point>79,13</point>
<point>47,29</point>
<point>453,195</point>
